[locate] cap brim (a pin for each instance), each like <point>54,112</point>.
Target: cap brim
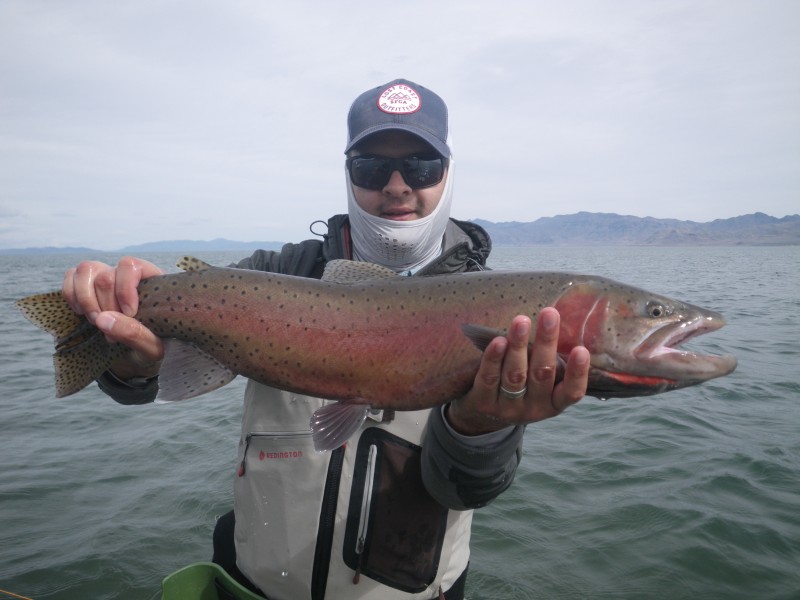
<point>424,135</point>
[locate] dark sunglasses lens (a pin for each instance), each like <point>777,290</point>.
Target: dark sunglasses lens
<point>374,172</point>
<point>371,173</point>
<point>422,172</point>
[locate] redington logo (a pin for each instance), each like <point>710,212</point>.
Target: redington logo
<point>280,455</point>
<point>399,99</point>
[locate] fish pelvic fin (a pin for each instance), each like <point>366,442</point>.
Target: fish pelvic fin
<point>191,263</point>
<point>351,271</point>
<point>82,351</point>
<point>333,424</point>
<point>186,372</point>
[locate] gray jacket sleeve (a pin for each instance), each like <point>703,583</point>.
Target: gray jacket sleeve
<point>139,390</point>
<point>462,475</point>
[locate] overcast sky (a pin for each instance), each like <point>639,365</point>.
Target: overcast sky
<point>128,122</point>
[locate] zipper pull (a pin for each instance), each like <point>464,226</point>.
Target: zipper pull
<point>360,552</point>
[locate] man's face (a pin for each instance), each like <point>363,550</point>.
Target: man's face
<point>397,201</point>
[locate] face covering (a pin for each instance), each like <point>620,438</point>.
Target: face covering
<point>399,245</point>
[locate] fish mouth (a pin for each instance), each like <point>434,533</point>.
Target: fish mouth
<point>661,354</point>
<point>658,364</point>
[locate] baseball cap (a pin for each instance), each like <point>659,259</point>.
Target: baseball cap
<point>399,104</point>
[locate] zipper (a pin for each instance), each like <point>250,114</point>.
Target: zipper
<point>271,434</point>
<point>327,522</point>
<point>366,502</point>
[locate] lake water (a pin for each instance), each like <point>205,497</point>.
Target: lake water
<point>692,494</point>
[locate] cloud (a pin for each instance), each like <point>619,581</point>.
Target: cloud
<point>148,119</point>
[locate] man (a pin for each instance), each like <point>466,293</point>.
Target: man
<point>388,514</point>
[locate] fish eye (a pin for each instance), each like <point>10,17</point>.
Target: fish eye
<point>656,310</point>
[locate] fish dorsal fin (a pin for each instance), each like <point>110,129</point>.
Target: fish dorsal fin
<point>351,271</point>
<point>190,263</point>
<point>187,371</point>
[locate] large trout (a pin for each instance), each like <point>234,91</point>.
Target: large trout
<point>369,338</point>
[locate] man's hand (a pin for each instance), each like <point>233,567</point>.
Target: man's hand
<point>108,297</point>
<point>508,367</point>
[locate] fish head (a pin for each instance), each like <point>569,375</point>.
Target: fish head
<point>634,337</point>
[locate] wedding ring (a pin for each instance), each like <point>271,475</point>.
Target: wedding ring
<point>513,395</point>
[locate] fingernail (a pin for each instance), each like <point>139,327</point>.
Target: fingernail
<point>127,310</point>
<point>549,320</point>
<point>582,358</point>
<point>105,322</point>
<point>92,316</point>
<point>523,328</point>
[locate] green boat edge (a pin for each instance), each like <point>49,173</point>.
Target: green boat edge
<point>204,581</point>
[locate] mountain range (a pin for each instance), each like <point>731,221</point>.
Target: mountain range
<point>580,229</point>
<point>603,229</point>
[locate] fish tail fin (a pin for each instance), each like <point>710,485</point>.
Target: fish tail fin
<point>50,313</point>
<point>82,351</point>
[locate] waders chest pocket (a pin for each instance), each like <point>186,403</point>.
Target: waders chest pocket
<point>395,529</point>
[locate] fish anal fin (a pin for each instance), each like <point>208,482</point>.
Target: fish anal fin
<point>187,371</point>
<point>351,271</point>
<point>333,424</point>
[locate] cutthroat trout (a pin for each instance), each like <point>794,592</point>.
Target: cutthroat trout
<point>367,337</point>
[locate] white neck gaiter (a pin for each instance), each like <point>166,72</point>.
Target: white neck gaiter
<point>399,245</point>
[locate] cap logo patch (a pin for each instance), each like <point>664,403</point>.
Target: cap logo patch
<point>399,99</point>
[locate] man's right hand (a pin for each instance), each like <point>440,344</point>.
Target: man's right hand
<point>109,299</point>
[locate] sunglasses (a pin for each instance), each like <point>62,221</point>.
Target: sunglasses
<point>372,171</point>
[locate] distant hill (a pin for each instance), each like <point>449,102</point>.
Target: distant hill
<point>604,229</point>
<point>49,250</point>
<point>177,246</point>
<point>580,229</point>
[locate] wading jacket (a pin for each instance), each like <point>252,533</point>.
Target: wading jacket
<point>388,515</point>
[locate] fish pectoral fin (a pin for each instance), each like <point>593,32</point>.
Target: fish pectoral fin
<point>480,335</point>
<point>187,371</point>
<point>333,424</point>
<point>351,271</point>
